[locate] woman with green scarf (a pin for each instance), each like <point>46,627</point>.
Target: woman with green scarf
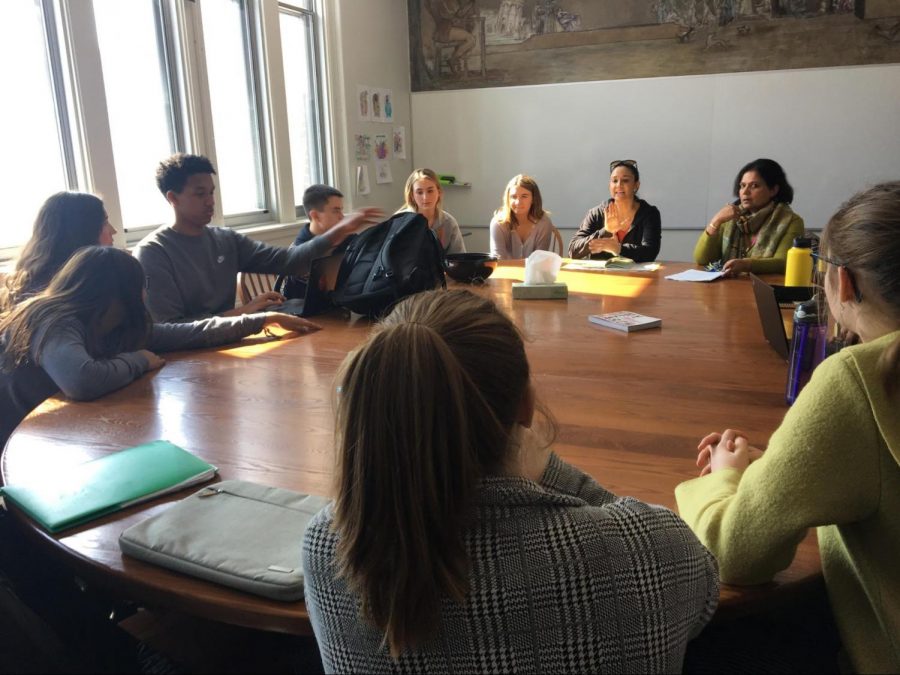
<point>753,233</point>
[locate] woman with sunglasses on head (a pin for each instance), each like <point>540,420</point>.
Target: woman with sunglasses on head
<point>521,225</point>
<point>755,231</point>
<point>624,225</point>
<point>834,462</point>
<point>89,333</point>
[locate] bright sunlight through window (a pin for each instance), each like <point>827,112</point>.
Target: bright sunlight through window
<point>298,78</point>
<point>139,107</point>
<point>33,166</point>
<point>238,157</point>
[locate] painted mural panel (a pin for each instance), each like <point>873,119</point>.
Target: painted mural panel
<point>458,44</point>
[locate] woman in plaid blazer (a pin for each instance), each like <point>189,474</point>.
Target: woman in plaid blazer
<point>459,544</point>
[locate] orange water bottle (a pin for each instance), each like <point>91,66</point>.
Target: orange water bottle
<point>799,267</point>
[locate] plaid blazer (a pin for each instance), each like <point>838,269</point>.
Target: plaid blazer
<point>565,577</point>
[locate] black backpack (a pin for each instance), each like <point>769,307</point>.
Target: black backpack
<point>390,261</point>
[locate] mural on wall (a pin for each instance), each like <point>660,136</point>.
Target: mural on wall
<point>457,44</point>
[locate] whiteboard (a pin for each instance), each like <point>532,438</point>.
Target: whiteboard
<point>834,130</point>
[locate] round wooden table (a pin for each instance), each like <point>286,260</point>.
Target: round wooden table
<point>630,407</point>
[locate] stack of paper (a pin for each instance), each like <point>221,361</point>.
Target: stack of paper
<point>695,275</point>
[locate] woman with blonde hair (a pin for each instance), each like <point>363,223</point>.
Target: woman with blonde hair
<point>521,226</point>
<point>423,194</point>
<point>834,462</point>
<point>459,542</point>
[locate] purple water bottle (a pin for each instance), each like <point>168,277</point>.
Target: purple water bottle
<point>807,346</point>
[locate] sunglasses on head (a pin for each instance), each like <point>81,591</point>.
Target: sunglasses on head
<point>622,162</point>
<point>818,257</point>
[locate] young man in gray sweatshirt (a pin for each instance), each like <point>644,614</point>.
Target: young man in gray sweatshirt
<point>192,267</point>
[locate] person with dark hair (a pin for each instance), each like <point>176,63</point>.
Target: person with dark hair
<point>89,333</point>
<point>490,553</point>
<point>755,231</point>
<point>324,206</point>
<point>66,222</point>
<point>834,462</point>
<point>192,267</point>
<point>625,225</point>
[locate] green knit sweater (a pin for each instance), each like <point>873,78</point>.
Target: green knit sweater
<point>834,464</point>
<point>709,249</point>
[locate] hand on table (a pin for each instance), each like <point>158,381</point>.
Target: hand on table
<point>736,266</point>
<point>290,322</point>
<point>154,361</point>
<point>728,450</point>
<point>261,301</point>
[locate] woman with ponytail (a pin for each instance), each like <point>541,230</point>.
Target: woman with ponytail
<point>834,463</point>
<point>459,542</point>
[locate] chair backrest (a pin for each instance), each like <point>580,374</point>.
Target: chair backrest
<point>556,243</point>
<point>251,284</point>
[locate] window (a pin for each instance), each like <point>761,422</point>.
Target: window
<point>304,100</point>
<point>141,116</point>
<point>33,127</point>
<point>228,41</point>
<point>113,87</point>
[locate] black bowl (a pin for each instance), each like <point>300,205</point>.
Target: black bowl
<point>470,268</point>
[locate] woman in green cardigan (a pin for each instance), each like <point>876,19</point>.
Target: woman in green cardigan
<point>754,232</point>
<point>834,463</point>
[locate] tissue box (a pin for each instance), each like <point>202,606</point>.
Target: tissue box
<point>554,291</point>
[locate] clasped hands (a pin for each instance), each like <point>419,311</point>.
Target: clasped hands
<point>727,450</point>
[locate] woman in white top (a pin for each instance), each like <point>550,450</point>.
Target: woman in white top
<point>423,194</point>
<point>521,226</point>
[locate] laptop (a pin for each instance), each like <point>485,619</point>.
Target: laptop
<point>769,299</point>
<point>323,274</point>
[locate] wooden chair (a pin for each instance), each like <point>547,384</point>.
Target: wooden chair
<point>251,284</point>
<point>556,244</point>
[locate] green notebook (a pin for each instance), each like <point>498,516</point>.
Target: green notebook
<point>108,484</point>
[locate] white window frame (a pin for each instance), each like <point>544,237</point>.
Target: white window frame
<point>82,115</point>
<point>317,73</point>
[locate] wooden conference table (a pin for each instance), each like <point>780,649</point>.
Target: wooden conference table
<point>631,409</point>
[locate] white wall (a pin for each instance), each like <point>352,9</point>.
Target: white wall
<point>834,130</point>
<point>358,53</point>
<point>368,44</point>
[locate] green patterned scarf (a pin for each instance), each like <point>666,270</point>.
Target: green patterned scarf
<point>768,225</point>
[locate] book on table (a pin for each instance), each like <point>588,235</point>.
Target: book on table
<point>614,264</point>
<point>107,484</point>
<point>625,321</point>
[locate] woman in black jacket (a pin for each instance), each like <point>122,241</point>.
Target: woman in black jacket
<point>625,225</point>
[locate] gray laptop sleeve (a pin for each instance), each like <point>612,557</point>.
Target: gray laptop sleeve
<point>236,533</point>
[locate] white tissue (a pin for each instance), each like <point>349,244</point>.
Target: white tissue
<point>541,267</point>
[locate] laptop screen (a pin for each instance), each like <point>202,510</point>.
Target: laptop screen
<point>770,316</point>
